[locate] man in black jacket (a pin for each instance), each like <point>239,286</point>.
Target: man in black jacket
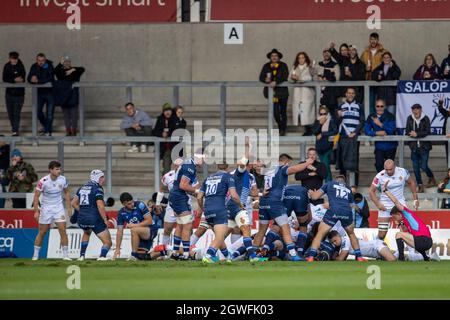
<point>41,73</point>
<point>163,126</point>
<point>14,72</point>
<point>418,126</point>
<point>4,164</point>
<point>273,73</point>
<point>312,178</point>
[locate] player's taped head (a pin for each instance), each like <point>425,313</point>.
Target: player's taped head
<point>96,175</point>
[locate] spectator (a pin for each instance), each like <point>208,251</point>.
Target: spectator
<point>328,70</point>
<point>164,123</point>
<point>387,70</point>
<point>21,176</point>
<point>324,128</point>
<point>381,124</point>
<point>14,72</point>
<point>445,112</point>
<point>444,187</point>
<point>41,73</point>
<point>418,126</point>
<point>355,72</point>
<point>312,178</point>
<point>303,100</point>
<point>274,73</point>
<point>178,121</point>
<point>372,57</point>
<point>445,66</point>
<point>257,172</point>
<point>429,70</point>
<point>136,123</point>
<point>66,95</point>
<point>351,115</point>
<point>342,58</point>
<point>4,164</point>
<point>361,208</point>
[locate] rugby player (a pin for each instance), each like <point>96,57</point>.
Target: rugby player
<point>215,189</point>
<point>90,205</point>
<point>239,218</point>
<point>415,233</point>
<point>184,184</point>
<point>271,205</point>
<point>52,187</point>
<point>340,198</point>
<point>370,249</point>
<point>136,217</point>
<point>170,219</point>
<point>397,178</point>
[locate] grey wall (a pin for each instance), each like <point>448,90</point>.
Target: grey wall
<point>162,52</point>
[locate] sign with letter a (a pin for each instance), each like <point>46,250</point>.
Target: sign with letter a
<point>233,33</point>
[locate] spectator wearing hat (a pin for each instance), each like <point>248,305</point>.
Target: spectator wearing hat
<point>4,164</point>
<point>328,71</point>
<point>274,73</point>
<point>42,72</point>
<point>381,124</point>
<point>164,124</point>
<point>66,95</point>
<point>14,72</point>
<point>429,70</point>
<point>21,176</point>
<point>418,126</point>
<point>445,66</point>
<point>136,123</point>
<point>303,99</point>
<point>386,71</point>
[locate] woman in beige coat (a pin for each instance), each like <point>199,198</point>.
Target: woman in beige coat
<point>303,99</point>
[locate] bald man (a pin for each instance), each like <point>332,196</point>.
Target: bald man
<point>397,178</point>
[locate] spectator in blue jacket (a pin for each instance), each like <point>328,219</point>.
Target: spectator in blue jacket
<point>41,73</point>
<point>380,124</point>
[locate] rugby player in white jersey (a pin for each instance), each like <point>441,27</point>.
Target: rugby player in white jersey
<point>398,178</point>
<point>369,248</point>
<point>169,218</point>
<point>52,187</point>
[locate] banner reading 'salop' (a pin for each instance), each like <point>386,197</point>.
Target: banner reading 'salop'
<point>427,94</point>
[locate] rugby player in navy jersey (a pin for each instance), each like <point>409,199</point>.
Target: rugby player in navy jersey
<point>185,183</point>
<point>214,190</point>
<point>135,216</point>
<point>90,205</point>
<point>271,205</point>
<point>340,198</point>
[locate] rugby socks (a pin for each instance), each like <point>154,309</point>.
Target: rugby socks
<point>225,253</point>
<point>312,252</point>
<point>176,244</point>
<point>36,252</point>
<point>134,254</point>
<point>186,246</point>
<point>84,246</point>
<point>301,241</point>
<point>358,253</point>
<point>104,251</point>
<point>401,249</point>
<point>239,252</point>
<point>270,239</point>
<point>65,250</point>
<point>211,252</point>
<point>234,237</point>
<point>291,248</point>
<point>194,239</point>
<point>165,240</point>
<point>424,255</point>
<point>249,247</point>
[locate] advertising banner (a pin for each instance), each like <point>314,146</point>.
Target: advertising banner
<point>20,243</point>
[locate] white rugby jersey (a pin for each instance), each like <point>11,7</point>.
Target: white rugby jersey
<point>317,213</point>
<point>396,185</point>
<point>52,191</point>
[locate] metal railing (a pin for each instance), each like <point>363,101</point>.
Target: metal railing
<point>176,85</point>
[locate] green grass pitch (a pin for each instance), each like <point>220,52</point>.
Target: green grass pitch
<point>46,279</point>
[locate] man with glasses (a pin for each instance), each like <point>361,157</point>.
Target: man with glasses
<point>381,124</point>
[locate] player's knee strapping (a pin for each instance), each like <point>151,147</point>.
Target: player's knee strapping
<point>383,226</point>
